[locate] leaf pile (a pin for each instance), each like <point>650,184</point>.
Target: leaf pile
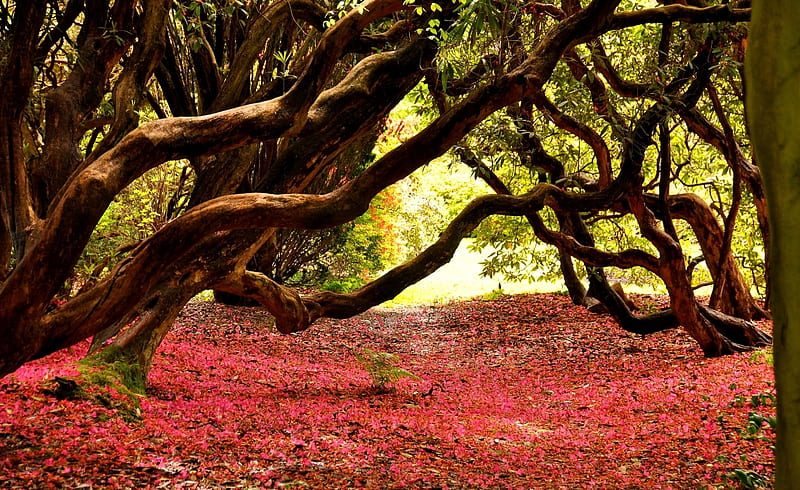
<point>520,392</point>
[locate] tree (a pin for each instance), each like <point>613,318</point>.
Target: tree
<point>774,79</point>
<point>263,99</point>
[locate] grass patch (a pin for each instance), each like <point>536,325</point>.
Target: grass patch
<point>763,356</point>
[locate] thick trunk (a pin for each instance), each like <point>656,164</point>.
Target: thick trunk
<point>16,81</point>
<point>146,333</point>
<point>145,329</point>
<point>773,70</point>
<point>751,174</point>
<point>5,249</point>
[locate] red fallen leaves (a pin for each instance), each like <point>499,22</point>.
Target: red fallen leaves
<point>523,392</point>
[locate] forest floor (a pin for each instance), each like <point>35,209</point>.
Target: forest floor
<point>520,392</point>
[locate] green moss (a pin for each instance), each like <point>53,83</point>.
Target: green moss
<point>117,367</point>
<point>110,379</point>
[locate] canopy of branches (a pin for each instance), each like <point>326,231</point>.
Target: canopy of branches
<point>153,149</point>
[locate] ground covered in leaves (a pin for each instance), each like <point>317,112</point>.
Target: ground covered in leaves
<point>521,392</point>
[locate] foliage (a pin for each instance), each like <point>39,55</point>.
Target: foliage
<point>765,355</point>
<point>141,209</point>
<point>495,294</point>
<point>381,367</point>
<point>760,426</point>
<point>747,479</point>
<point>344,285</point>
<point>368,248</point>
<point>420,207</point>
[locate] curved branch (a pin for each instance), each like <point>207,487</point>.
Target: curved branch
<point>265,23</point>
<point>389,285</point>
<point>341,114</point>
<point>99,51</point>
<point>70,13</point>
<point>285,304</point>
<point>615,80</point>
<point>73,217</point>
<point>593,256</point>
<point>582,131</point>
<point>680,13</point>
<point>130,87</point>
<point>597,89</point>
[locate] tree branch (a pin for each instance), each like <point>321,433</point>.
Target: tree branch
<point>680,13</point>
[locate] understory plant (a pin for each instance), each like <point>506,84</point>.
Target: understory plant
<point>382,367</point>
<point>759,426</point>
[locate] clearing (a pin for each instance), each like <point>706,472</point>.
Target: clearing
<point>524,391</point>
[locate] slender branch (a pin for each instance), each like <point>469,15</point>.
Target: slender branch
<point>680,13</point>
<point>582,131</point>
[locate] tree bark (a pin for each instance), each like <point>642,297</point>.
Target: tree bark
<point>736,299</point>
<point>208,246</point>
<point>16,81</point>
<point>773,74</point>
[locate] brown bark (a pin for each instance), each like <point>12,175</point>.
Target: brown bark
<point>16,81</point>
<point>736,299</point>
<point>129,90</point>
<point>741,165</point>
<point>209,245</point>
<point>99,51</point>
<point>685,13</point>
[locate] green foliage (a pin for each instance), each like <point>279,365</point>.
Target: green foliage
<point>368,246</point>
<point>746,479</point>
<point>381,367</point>
<point>141,209</point>
<point>477,18</point>
<point>756,423</point>
<point>195,16</point>
<point>420,207</point>
<point>495,294</point>
<point>758,426</point>
<point>340,10</point>
<point>763,356</point>
<point>514,253</point>
<point>343,285</point>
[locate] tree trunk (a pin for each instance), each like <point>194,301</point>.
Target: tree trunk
<point>736,299</point>
<point>773,108</point>
<point>341,116</point>
<point>575,288</point>
<point>158,310</point>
